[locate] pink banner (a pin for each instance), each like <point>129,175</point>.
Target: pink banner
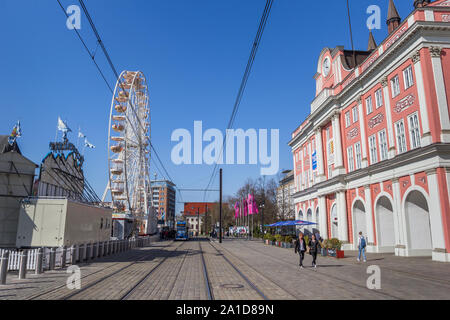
<point>245,208</point>
<point>237,210</point>
<point>255,207</point>
<point>250,204</point>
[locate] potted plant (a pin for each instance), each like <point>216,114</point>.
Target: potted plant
<point>267,238</point>
<point>278,239</point>
<point>288,242</point>
<point>334,248</point>
<point>272,239</point>
<point>324,249</point>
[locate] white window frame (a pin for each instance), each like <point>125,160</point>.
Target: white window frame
<point>414,132</point>
<point>355,114</point>
<point>347,119</point>
<point>408,77</point>
<point>379,98</point>
<point>358,153</point>
<point>350,159</point>
<point>382,141</point>
<point>373,149</point>
<point>369,105</point>
<point>395,86</point>
<point>401,137</point>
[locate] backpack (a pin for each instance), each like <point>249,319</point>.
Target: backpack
<point>363,242</point>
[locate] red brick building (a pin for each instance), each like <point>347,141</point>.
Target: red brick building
<point>194,210</point>
<point>374,153</point>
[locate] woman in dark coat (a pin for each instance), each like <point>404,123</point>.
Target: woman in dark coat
<point>314,246</point>
<point>300,247</point>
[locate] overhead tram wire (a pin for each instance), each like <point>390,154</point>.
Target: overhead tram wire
<point>105,52</point>
<point>113,68</point>
<point>157,168</point>
<point>256,43</point>
<point>97,35</point>
<point>87,49</point>
<point>255,47</point>
<point>351,32</point>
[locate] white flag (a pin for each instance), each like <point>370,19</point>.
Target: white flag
<point>89,145</point>
<point>62,126</point>
<point>80,134</point>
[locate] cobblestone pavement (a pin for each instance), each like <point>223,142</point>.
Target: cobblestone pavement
<point>401,277</point>
<point>235,270</point>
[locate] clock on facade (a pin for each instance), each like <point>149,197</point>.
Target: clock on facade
<point>326,67</point>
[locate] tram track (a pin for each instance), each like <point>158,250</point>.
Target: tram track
<point>264,276</point>
<point>245,278</point>
<point>108,276</point>
<point>151,272</point>
<point>208,288</point>
<point>34,297</point>
<point>278,260</point>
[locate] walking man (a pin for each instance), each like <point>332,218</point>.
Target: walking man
<point>313,249</point>
<point>300,247</point>
<point>362,247</point>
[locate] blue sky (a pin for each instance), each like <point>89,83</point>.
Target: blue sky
<point>193,54</point>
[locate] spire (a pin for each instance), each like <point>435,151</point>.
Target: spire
<point>393,20</point>
<point>372,44</point>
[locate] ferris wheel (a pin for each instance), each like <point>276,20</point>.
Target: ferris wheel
<point>129,145</point>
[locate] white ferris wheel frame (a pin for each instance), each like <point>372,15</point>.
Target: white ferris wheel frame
<point>131,92</point>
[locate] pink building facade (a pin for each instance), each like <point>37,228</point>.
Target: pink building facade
<point>374,153</point>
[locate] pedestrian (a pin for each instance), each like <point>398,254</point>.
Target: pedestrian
<point>300,247</point>
<point>362,243</point>
<point>318,237</point>
<point>314,246</point>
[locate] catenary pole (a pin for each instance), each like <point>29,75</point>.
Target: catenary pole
<point>220,209</point>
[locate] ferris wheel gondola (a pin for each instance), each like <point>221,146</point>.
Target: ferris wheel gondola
<point>129,145</point>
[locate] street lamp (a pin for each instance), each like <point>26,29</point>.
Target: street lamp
<point>262,218</point>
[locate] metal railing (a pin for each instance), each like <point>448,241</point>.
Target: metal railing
<point>41,259</point>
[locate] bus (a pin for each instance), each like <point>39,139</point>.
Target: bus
<point>182,231</point>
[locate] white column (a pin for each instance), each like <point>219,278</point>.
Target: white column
<point>323,225</point>
<point>399,226</point>
<point>342,216</point>
<point>436,212</point>
<point>440,93</point>
<point>369,215</point>
<point>362,129</point>
<point>390,125</point>
<point>310,151</point>
<point>319,154</point>
<point>424,121</point>
<point>338,162</point>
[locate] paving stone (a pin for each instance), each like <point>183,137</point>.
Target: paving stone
<point>174,271</point>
